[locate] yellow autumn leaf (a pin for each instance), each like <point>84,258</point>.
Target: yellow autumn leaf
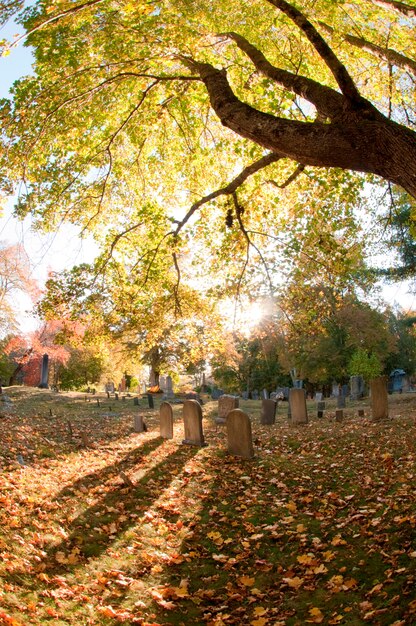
<point>316,615</point>
<point>247,581</point>
<point>61,557</point>
<point>294,583</point>
<point>306,559</point>
<point>261,621</point>
<point>291,506</point>
<point>259,611</point>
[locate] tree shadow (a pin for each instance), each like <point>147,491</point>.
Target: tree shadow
<point>92,532</point>
<point>104,474</point>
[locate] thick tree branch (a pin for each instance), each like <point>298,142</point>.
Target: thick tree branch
<point>361,144</point>
<point>344,80</point>
<point>231,187</point>
<point>327,101</point>
<point>399,7</point>
<point>386,54</point>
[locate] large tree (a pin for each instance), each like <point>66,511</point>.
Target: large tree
<point>191,118</point>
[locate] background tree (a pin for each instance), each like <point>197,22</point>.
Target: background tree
<point>15,280</point>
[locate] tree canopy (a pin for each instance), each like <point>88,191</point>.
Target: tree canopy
<point>155,123</point>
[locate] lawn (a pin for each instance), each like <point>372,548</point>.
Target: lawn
<point>101,525</point>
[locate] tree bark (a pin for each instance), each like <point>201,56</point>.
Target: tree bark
<point>360,142</point>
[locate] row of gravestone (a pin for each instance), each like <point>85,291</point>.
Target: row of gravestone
<point>239,437</point>
<point>297,409</point>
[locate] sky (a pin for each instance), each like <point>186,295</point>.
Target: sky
<point>52,252</point>
<point>64,249</point>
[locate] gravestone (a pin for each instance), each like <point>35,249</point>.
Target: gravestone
<point>379,399</point>
<point>341,402</point>
<point>318,396</point>
<point>44,372</point>
<point>320,407</point>
<point>216,393</point>
<point>268,412</point>
<point>239,438</point>
<point>136,401</point>
<point>339,415</point>
<point>244,395</point>
<point>335,390</point>
<point>166,420</point>
<point>255,394</point>
<point>265,394</point>
<point>192,421</point>
<point>226,403</point>
<point>298,410</point>
<point>357,387</point>
<point>150,401</point>
<point>361,413</point>
<point>138,424</point>
<point>169,384</point>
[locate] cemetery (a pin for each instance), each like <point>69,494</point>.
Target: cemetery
<point>284,520</point>
<point>207,313</point>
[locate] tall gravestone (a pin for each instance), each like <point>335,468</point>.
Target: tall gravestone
<point>298,410</point>
<point>379,399</point>
<point>166,420</point>
<point>44,372</point>
<point>239,437</point>
<point>192,422</point>
<point>150,401</point>
<point>226,403</point>
<point>268,412</point>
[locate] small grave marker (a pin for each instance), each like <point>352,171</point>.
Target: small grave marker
<point>139,425</point>
<point>339,415</point>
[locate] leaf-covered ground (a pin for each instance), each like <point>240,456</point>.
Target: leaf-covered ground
<point>319,528</point>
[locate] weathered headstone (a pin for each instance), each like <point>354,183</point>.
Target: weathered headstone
<point>136,401</point>
<point>268,412</point>
<point>341,402</point>
<point>339,415</point>
<point>320,407</point>
<point>335,389</point>
<point>169,384</point>
<point>138,424</point>
<point>357,387</point>
<point>379,399</point>
<point>192,421</point>
<point>361,413</point>
<point>216,393</point>
<point>166,420</point>
<point>227,403</point>
<point>239,437</point>
<point>318,396</point>
<point>150,401</point>
<point>265,394</point>
<point>298,410</point>
<point>44,372</point>
<point>255,394</point>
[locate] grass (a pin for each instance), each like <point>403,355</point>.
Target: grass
<point>318,528</point>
